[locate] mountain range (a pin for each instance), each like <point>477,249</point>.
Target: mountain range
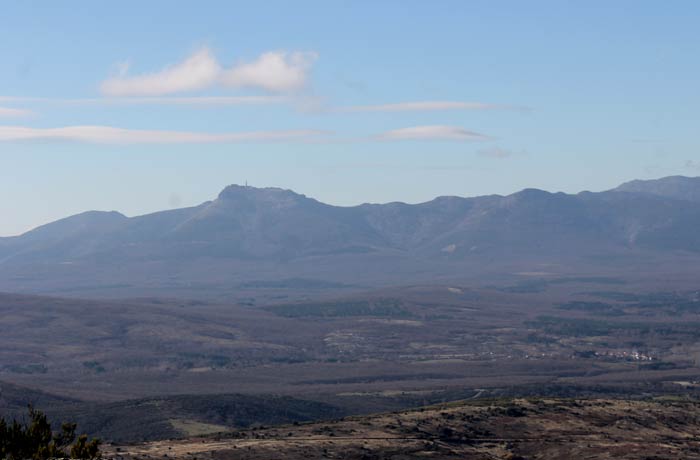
<point>257,236</point>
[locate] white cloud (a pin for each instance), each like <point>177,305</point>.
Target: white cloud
<point>112,135</point>
<point>435,132</point>
<point>420,106</point>
<point>198,100</point>
<point>198,71</point>
<point>276,71</point>
<point>7,112</point>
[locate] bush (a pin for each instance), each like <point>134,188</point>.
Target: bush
<point>37,441</point>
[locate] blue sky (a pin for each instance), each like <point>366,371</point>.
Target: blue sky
<point>142,106</point>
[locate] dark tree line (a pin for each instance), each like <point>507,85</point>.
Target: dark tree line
<point>36,440</point>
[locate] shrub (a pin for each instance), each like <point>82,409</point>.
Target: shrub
<point>37,441</point>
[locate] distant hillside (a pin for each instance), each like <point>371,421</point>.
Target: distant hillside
<point>250,237</point>
<point>183,415</point>
<point>14,399</point>
<point>164,417</point>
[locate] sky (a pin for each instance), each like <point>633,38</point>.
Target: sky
<point>143,106</point>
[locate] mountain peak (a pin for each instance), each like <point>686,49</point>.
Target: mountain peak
<point>247,197</point>
<point>236,192</point>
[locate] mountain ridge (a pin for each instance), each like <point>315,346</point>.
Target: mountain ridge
<point>661,187</point>
<point>254,234</point>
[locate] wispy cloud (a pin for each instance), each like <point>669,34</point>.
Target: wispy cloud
<point>435,132</point>
<point>156,100</point>
<point>400,166</point>
<point>421,106</point>
<point>197,101</point>
<point>112,135</point>
<point>275,71</point>
<point>9,112</point>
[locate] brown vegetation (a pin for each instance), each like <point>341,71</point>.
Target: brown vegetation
<point>489,429</point>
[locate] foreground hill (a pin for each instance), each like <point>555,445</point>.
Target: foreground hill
<point>252,237</point>
<point>486,429</point>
